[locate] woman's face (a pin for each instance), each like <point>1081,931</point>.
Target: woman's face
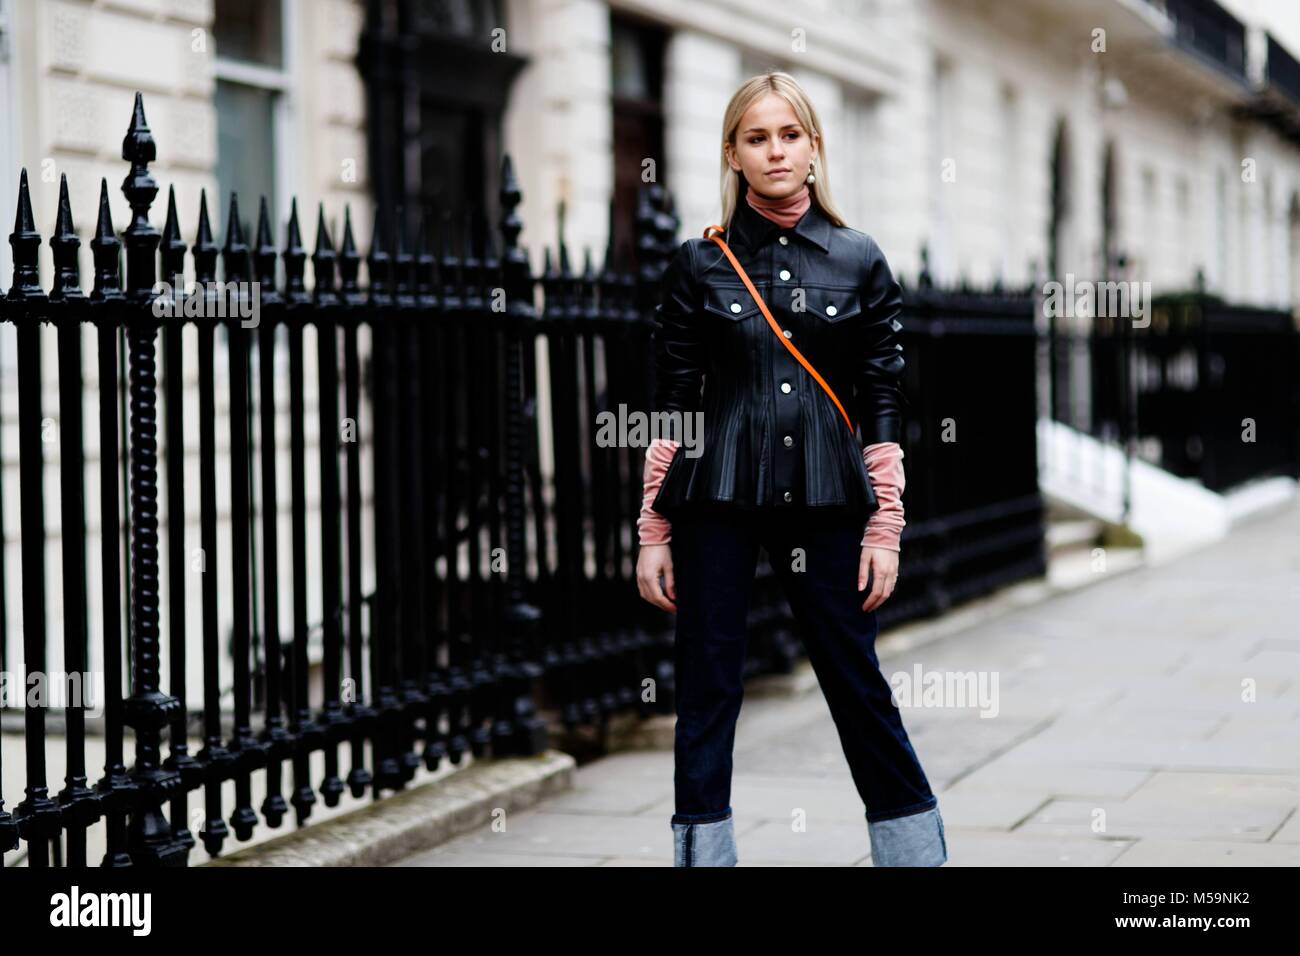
<point>772,150</point>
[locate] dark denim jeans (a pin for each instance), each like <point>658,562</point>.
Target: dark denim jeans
<point>715,557</point>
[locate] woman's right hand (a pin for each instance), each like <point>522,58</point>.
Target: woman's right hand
<point>653,561</point>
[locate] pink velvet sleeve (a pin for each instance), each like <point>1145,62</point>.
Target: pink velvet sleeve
<point>652,527</point>
<point>884,461</point>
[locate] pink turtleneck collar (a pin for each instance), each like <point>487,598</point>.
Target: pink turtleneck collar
<point>784,212</point>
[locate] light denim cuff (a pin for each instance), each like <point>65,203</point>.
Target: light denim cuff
<point>914,840</point>
<point>705,844</point>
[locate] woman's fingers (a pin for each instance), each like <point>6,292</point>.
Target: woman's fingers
<point>668,594</point>
<point>659,594</point>
<point>882,573</point>
<point>877,594</point>
<point>650,569</point>
<point>883,589</point>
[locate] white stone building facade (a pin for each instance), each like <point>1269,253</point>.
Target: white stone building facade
<point>909,90</point>
<point>945,121</point>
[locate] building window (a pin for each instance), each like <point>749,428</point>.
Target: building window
<point>636,88</point>
<point>1060,225</point>
<point>1150,223</point>
<point>251,31</point>
<point>1110,266</point>
<point>435,133</point>
<point>252,102</point>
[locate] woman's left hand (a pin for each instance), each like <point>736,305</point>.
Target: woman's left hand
<point>880,566</point>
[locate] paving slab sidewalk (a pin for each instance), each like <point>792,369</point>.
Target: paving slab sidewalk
<point>1149,719</point>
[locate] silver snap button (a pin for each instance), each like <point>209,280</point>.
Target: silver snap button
<point>787,333</point>
<point>785,387</point>
<point>789,497</point>
<point>789,440</point>
<point>735,307</point>
<point>785,274</point>
<point>784,241</point>
<point>831,310</point>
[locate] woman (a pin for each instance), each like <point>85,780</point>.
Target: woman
<point>780,468</point>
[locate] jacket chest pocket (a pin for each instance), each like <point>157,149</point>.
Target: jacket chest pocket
<point>831,303</point>
<point>730,302</point>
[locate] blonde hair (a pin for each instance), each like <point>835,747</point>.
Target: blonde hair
<point>753,89</point>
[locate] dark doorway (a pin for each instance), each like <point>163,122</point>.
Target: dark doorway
<point>636,66</point>
<point>1109,214</point>
<point>1058,231</point>
<point>438,75</point>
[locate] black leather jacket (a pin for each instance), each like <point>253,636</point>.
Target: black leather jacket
<point>772,436</point>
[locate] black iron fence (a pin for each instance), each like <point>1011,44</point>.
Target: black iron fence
<point>1218,387</point>
<point>974,509</point>
<point>445,567</point>
<point>422,461</point>
<point>1194,385</point>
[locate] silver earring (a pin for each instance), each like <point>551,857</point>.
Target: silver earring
<point>812,178</point>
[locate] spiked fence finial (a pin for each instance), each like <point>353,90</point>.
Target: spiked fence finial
<point>106,248</point>
<point>264,252</point>
<point>140,189</point>
<point>205,250</point>
<point>173,247</point>
<point>323,260</point>
<point>294,256</point>
<point>25,240</point>
<point>234,255</point>
<point>349,258</point>
<point>64,243</point>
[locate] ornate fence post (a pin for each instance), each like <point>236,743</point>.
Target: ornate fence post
<point>148,710</point>
<point>179,757</point>
<point>79,804</point>
<point>115,789</point>
<point>522,619</point>
<point>38,817</point>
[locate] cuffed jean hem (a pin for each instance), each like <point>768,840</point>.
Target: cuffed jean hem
<point>705,843</point>
<point>902,811</point>
<point>913,840</point>
<point>713,817</point>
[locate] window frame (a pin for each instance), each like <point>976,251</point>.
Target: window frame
<point>279,81</point>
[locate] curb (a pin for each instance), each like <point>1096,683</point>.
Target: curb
<point>419,819</point>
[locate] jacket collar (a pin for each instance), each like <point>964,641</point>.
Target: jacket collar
<point>752,229</point>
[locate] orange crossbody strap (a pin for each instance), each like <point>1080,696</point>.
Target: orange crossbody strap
<point>773,323</point>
